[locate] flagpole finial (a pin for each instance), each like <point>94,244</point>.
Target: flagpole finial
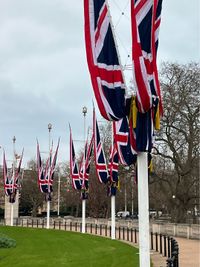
<point>49,127</point>
<point>84,110</point>
<point>14,139</point>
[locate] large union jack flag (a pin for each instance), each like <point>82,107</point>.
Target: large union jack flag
<point>124,137</point>
<point>99,156</point>
<point>105,70</point>
<point>145,15</point>
<point>74,171</point>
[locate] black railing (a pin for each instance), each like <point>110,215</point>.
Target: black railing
<point>165,245</point>
<point>173,260</point>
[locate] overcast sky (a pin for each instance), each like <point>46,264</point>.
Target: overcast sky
<point>43,72</point>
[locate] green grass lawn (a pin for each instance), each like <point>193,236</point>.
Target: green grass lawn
<point>51,248</point>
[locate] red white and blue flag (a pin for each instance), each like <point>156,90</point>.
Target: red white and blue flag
<point>8,182</point>
<point>52,168</point>
<point>11,183</point>
<point>86,164</point>
<point>46,171</point>
<point>124,137</point>
<point>99,156</point>
<point>74,171</point>
<point>103,62</point>
<point>113,164</point>
<point>113,171</point>
<point>17,174</point>
<point>145,15</point>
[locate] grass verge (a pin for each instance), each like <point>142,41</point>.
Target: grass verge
<point>51,248</point>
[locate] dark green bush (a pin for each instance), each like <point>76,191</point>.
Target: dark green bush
<point>6,242</point>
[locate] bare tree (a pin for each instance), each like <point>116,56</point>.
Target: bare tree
<point>177,144</point>
<point>30,198</point>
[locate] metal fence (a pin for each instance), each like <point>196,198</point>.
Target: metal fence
<point>165,245</point>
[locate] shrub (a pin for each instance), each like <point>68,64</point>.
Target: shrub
<point>6,242</point>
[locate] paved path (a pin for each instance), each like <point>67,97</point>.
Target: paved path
<point>189,254</point>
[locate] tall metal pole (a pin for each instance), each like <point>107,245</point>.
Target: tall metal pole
<point>13,177</point>
<point>132,195</point>
<point>113,206</point>
<point>125,188</point>
<point>125,197</point>
<point>143,206</point>
<point>48,199</point>
<point>59,192</point>
<point>113,217</point>
<point>84,200</point>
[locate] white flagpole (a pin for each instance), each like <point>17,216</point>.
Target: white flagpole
<point>48,200</point>
<point>59,192</point>
<point>112,204</point>
<point>11,214</point>
<point>143,206</point>
<point>12,204</point>
<point>84,200</point>
<point>113,197</point>
<point>48,213</point>
<point>113,217</point>
<point>83,215</point>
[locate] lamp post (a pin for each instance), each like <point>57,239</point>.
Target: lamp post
<point>84,111</point>
<point>48,194</point>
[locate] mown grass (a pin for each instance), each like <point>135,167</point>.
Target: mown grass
<point>51,248</point>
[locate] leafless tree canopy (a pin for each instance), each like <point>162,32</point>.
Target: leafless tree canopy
<point>177,144</point>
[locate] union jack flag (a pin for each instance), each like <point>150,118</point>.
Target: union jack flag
<point>99,156</point>
<point>113,171</point>
<point>105,70</point>
<point>85,165</point>
<point>52,169</point>
<point>145,15</point>
<point>11,184</point>
<point>42,172</point>
<point>17,174</point>
<point>8,182</point>
<point>74,171</point>
<point>46,172</point>
<point>125,141</point>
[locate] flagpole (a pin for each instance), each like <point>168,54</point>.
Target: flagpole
<point>84,200</point>
<point>112,217</point>
<point>143,206</point>
<point>112,207</point>
<point>48,199</point>
<point>12,204</point>
<point>58,193</point>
